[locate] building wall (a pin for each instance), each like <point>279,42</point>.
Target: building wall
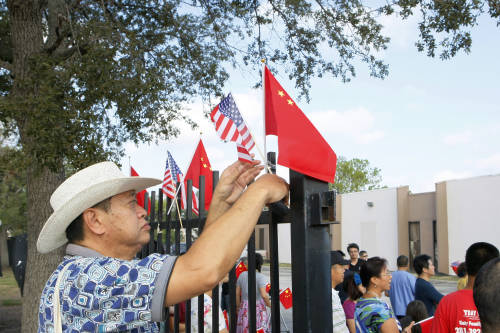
<point>403,207</point>
<point>442,228</point>
<point>284,243</point>
<point>422,208</point>
<point>473,214</point>
<point>336,229</point>
<point>374,229</point>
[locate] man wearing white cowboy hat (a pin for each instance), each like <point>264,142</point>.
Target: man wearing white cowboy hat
<point>100,287</point>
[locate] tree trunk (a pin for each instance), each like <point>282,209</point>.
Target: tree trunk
<point>39,266</point>
<point>27,42</point>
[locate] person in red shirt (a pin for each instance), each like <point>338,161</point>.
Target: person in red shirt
<point>457,312</point>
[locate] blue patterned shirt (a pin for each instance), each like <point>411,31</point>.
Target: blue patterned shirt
<point>371,313</point>
<point>103,294</point>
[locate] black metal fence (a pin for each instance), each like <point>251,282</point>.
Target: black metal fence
<point>310,212</point>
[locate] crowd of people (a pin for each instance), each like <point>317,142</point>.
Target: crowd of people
<point>360,288</point>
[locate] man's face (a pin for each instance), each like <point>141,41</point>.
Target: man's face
<point>125,222</point>
<point>337,272</point>
<point>353,253</point>
<point>431,270</point>
<point>364,256</point>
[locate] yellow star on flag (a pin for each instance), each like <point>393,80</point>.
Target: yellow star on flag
<point>290,102</point>
<point>281,93</point>
<point>204,165</point>
<point>201,159</point>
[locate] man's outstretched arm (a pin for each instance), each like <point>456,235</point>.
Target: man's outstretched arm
<point>223,239</point>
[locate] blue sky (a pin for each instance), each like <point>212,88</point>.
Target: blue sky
<point>429,120</point>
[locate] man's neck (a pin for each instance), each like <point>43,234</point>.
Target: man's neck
<point>354,261</point>
<point>403,269</point>
<point>470,282</point>
<point>109,251</point>
<point>425,276</point>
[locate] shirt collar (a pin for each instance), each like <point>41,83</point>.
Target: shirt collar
<point>82,251</point>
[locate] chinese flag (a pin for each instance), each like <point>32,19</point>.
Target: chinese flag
<point>225,318</point>
<point>286,298</point>
<point>240,269</point>
<point>426,324</point>
<point>300,146</point>
<point>268,288</point>
<point>140,196</point>
<point>261,330</point>
<point>200,166</point>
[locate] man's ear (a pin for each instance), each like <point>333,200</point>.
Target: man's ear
<point>92,221</point>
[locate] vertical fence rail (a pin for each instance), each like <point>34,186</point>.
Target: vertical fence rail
<point>274,261</point>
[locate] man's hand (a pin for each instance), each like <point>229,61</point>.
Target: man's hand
<point>235,179</point>
<point>275,187</point>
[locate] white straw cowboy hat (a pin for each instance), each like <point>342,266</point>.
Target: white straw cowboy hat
<point>83,190</point>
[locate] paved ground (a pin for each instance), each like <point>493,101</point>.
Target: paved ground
<point>442,285</point>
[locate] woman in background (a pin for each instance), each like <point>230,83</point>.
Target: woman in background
<point>372,314</point>
<point>261,299</point>
<point>354,291</point>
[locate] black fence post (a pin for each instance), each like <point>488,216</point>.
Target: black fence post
<point>311,279</point>
<point>274,261</point>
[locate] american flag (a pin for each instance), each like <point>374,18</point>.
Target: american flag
<point>172,176</point>
<point>230,126</point>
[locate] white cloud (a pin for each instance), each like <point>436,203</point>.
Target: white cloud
<point>358,124</point>
<point>458,138</point>
<point>450,175</point>
<point>492,161</point>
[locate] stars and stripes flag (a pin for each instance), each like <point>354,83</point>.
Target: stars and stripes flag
<point>230,126</point>
<point>172,176</point>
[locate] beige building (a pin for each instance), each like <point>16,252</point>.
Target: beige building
<point>393,221</point>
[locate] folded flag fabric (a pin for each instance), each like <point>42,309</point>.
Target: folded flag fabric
<point>268,288</point>
<point>230,126</point>
<point>300,146</point>
<point>286,298</point>
<point>141,195</point>
<point>261,330</point>
<point>240,269</point>
<point>425,325</point>
<point>200,166</point>
<point>225,318</point>
<point>172,176</point>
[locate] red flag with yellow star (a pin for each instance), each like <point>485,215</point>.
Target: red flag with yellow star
<point>286,298</point>
<point>300,146</point>
<point>200,166</point>
<point>240,269</point>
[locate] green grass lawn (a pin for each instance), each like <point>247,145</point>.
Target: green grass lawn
<point>9,291</point>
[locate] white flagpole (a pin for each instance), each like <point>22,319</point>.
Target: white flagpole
<point>264,112</point>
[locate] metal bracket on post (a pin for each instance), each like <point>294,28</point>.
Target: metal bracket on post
<point>322,208</point>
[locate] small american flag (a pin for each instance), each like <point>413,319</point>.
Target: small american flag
<point>172,176</point>
<point>230,126</point>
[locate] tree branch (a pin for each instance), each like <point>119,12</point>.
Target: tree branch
<point>6,65</point>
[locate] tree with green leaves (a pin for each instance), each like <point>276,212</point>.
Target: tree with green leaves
<point>12,191</point>
<point>79,78</point>
<point>355,175</point>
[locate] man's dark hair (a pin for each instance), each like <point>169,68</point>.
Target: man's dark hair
<point>420,262</point>
<point>402,261</point>
<point>74,232</point>
<point>486,294</point>
<point>372,267</point>
<point>362,252</point>
<point>479,254</point>
<point>462,270</point>
<point>258,261</point>
<point>352,245</point>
